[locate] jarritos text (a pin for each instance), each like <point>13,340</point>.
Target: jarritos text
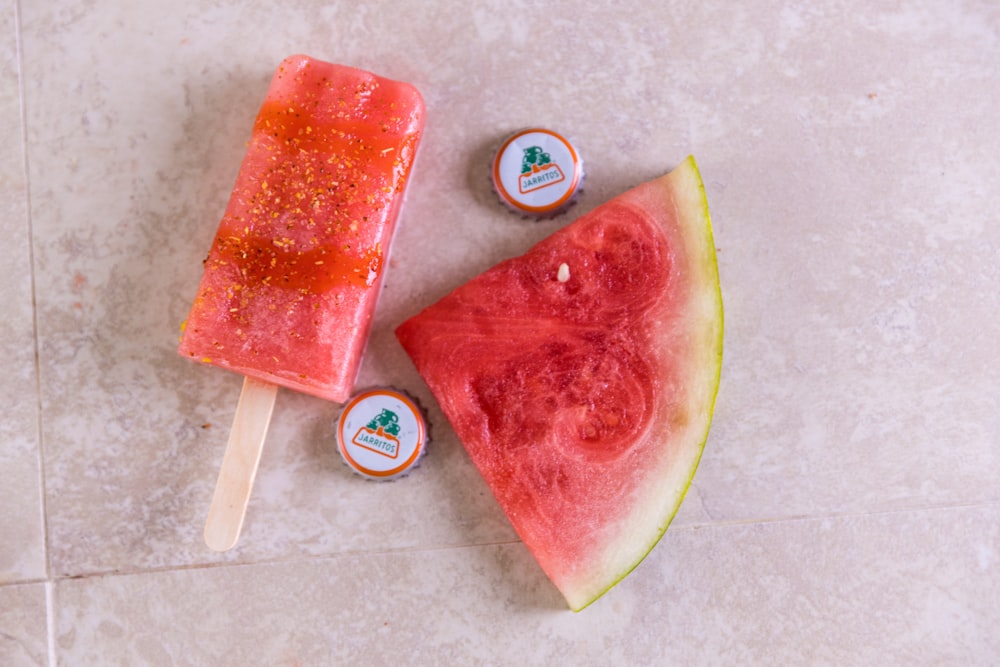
<point>538,171</point>
<point>380,434</point>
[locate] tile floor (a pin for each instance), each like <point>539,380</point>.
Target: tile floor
<point>846,511</point>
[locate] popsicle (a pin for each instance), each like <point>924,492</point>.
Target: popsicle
<point>293,275</point>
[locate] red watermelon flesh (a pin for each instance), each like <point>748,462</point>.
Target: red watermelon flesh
<point>292,278</point>
<point>585,399</point>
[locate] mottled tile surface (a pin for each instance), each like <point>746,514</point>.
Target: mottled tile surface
<point>845,510</point>
<point>921,591</point>
<point>23,627</point>
<point>22,542</point>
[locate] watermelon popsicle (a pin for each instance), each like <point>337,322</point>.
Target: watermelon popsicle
<point>293,275</point>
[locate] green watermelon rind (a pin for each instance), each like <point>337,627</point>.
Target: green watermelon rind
<point>695,189</point>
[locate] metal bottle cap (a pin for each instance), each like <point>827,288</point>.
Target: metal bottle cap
<point>381,434</point>
<point>538,172</point>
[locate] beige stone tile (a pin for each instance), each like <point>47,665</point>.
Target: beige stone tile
<point>899,588</point>
<point>23,626</point>
<point>859,274</point>
<point>916,587</point>
<point>846,161</point>
<point>851,168</point>
<point>22,540</point>
<point>132,163</point>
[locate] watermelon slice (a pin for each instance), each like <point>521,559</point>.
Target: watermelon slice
<point>582,375</point>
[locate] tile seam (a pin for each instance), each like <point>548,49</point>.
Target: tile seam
<point>131,572</point>
<point>36,352</point>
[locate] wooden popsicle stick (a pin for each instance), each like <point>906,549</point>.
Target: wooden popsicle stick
<point>239,464</point>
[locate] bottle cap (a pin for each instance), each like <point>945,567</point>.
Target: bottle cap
<point>381,434</point>
<point>537,172</point>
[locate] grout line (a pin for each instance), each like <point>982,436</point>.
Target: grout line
<point>305,558</point>
<point>42,496</point>
<point>794,518</point>
<point>279,560</point>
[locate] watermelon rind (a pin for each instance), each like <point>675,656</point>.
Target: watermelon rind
<point>689,188</point>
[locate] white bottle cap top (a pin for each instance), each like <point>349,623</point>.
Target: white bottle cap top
<point>538,172</point>
<point>381,434</point>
